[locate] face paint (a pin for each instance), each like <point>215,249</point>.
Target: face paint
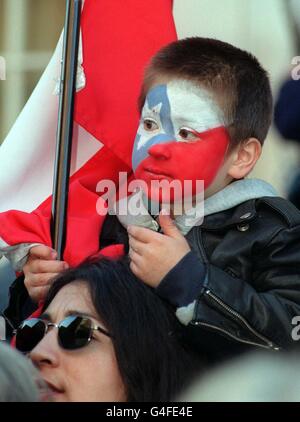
<point>181,136</point>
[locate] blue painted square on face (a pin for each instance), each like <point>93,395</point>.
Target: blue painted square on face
<point>157,108</point>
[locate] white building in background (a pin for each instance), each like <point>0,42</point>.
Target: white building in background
<point>27,40</point>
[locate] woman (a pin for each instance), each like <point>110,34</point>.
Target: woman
<point>114,338</point>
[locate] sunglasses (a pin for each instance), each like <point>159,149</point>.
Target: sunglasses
<point>74,332</point>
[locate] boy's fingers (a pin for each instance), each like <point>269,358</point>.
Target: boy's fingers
<point>137,246</point>
<point>134,268</point>
<point>168,226</point>
<point>42,252</point>
<point>39,293</point>
<point>39,280</point>
<point>142,234</point>
<point>42,266</point>
<point>137,259</point>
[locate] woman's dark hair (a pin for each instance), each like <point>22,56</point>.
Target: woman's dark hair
<point>153,362</point>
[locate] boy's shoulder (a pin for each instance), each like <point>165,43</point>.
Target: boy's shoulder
<point>268,212</point>
<point>259,226</point>
<point>280,209</point>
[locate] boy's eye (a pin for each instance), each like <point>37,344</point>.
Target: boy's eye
<point>187,134</point>
<point>150,125</point>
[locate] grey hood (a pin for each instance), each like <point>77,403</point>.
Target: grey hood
<point>132,211</point>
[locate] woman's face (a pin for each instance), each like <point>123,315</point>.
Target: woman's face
<point>87,374</point>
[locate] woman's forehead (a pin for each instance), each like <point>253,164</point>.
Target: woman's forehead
<point>73,297</point>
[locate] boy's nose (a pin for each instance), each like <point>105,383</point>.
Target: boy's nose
<point>160,151</point>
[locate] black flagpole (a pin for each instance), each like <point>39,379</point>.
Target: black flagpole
<point>65,125</point>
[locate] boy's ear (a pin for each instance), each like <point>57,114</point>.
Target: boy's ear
<point>244,158</point>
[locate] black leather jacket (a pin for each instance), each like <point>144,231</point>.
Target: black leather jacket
<point>251,292</point>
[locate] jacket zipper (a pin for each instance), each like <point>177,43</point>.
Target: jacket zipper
<point>239,317</point>
<point>268,345</point>
<point>231,335</point>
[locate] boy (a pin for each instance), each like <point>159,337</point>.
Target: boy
<point>235,279</point>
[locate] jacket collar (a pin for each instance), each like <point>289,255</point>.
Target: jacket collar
<point>239,215</point>
<point>233,205</point>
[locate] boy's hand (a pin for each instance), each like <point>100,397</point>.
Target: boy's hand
<point>41,267</point>
<point>153,254</point>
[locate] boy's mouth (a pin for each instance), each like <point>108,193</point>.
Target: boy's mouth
<point>158,173</point>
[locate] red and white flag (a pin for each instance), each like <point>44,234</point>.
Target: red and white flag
<point>117,40</point>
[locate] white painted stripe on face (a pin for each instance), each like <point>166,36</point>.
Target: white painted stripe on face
<point>193,107</point>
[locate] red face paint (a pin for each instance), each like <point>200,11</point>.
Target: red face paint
<point>183,161</point>
<point>181,139</point>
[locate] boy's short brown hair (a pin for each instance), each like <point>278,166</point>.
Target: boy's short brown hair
<point>239,83</point>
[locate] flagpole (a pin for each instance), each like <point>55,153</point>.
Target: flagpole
<point>65,125</point>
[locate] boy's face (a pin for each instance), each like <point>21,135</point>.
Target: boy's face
<point>181,136</point>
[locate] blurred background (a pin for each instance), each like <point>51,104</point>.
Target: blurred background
<point>29,31</point>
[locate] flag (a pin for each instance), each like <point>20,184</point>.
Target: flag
<point>117,40</point>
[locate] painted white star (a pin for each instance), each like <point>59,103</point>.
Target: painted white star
<point>148,111</point>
